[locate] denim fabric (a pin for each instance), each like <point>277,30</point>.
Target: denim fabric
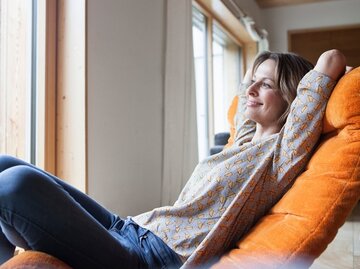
<point>149,247</point>
<point>40,212</point>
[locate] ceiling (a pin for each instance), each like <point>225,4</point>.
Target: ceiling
<point>277,3</point>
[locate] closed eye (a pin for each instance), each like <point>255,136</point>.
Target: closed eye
<point>266,85</point>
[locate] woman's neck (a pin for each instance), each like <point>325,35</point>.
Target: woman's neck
<point>262,132</point>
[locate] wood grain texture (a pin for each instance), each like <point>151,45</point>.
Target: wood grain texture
<point>71,93</point>
<point>311,43</point>
<point>14,79</point>
<point>278,3</point>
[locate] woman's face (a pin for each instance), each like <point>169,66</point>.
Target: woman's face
<point>264,102</point>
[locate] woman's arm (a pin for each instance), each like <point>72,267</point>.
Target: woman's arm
<point>303,127</point>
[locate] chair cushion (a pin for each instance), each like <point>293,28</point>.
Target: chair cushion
<point>34,260</point>
<point>301,225</point>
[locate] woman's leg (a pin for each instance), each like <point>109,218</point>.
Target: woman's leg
<point>6,248</point>
<point>97,211</point>
<point>48,218</point>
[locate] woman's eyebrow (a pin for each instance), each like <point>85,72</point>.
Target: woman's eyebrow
<point>263,78</point>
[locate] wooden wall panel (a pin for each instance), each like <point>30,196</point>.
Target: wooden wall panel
<point>311,43</point>
<point>71,158</point>
<point>278,3</point>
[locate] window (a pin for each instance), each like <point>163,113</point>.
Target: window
<point>27,78</point>
<point>42,85</point>
<point>219,65</point>
<point>200,64</point>
<point>16,69</point>
<point>226,55</point>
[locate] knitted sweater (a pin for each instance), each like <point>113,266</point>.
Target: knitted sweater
<point>228,192</point>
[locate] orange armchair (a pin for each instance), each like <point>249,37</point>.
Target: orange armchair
<point>301,225</point>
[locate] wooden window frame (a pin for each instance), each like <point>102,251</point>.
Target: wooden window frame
<point>46,85</point>
<point>61,139</point>
<point>215,10</point>
<point>71,119</point>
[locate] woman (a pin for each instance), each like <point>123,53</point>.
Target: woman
<point>226,194</point>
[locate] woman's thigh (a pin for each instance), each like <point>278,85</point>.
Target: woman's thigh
<point>50,219</point>
<point>102,215</point>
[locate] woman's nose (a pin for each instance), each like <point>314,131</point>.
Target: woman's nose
<point>252,90</point>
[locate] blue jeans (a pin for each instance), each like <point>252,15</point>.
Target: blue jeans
<point>40,212</point>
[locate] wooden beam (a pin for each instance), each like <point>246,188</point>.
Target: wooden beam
<point>46,85</point>
<point>278,3</point>
<point>71,127</point>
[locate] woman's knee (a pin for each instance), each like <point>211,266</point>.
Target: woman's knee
<point>18,182</point>
<point>7,161</point>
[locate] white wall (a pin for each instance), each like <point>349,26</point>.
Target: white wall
<point>125,46</point>
<point>125,76</point>
<point>277,21</point>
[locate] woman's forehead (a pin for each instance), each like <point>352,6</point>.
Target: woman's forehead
<point>266,69</point>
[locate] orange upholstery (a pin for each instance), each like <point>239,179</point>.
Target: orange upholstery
<point>34,260</point>
<point>301,225</point>
<point>231,115</point>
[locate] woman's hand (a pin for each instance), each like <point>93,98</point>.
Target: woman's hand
<point>331,63</point>
<point>348,69</point>
<point>248,76</point>
<point>246,81</point>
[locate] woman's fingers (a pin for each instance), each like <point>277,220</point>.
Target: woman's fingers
<point>348,69</point>
<point>331,63</point>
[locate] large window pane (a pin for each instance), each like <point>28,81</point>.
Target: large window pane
<point>15,77</point>
<point>199,39</point>
<point>226,76</point>
<point>217,74</point>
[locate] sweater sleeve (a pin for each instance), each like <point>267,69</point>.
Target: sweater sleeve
<point>299,135</point>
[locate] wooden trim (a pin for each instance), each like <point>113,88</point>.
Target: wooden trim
<point>251,50</point>
<point>71,93</point>
<point>226,19</point>
<point>46,85</point>
<point>278,3</point>
<point>215,9</point>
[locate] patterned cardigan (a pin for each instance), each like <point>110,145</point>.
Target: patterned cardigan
<point>228,192</point>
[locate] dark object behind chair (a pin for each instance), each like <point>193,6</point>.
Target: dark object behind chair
<point>221,140</point>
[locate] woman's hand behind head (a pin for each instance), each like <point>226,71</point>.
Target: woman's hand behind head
<point>331,63</point>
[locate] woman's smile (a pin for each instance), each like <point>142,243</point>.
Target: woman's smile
<point>253,103</point>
